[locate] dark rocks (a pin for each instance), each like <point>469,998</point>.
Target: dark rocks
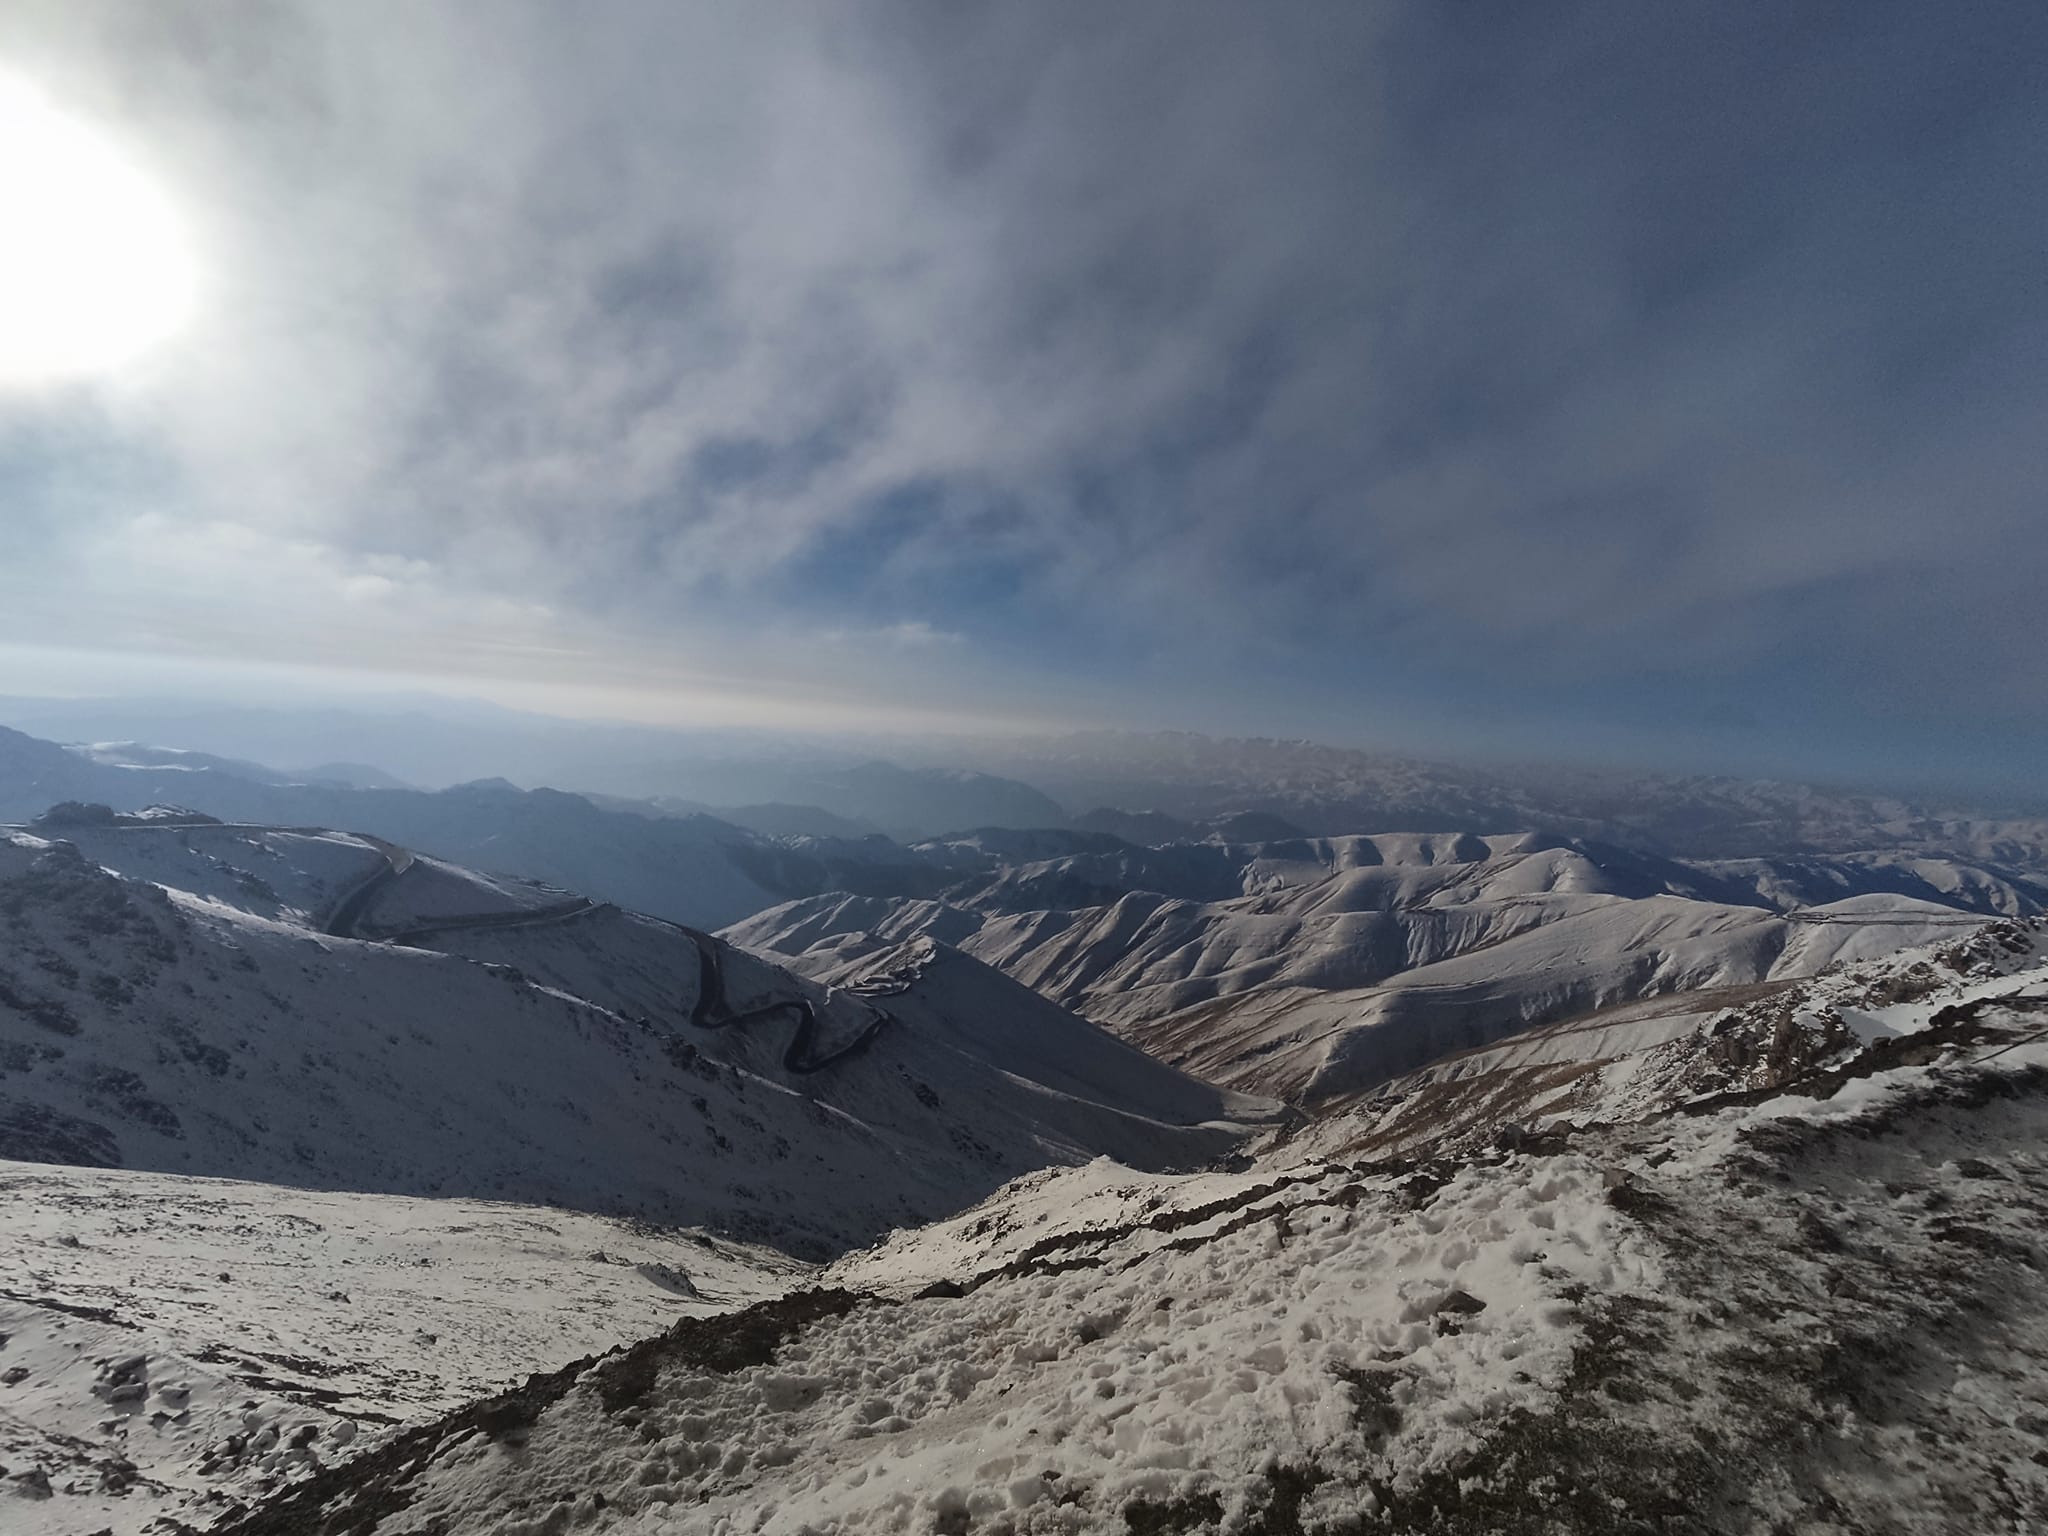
<point>124,1382</point>
<point>1817,1234</point>
<point>33,1484</point>
<point>1452,1311</point>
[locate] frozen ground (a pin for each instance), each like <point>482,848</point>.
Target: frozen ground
<point>1814,1308</point>
<point>167,1340</point>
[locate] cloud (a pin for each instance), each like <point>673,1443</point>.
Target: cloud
<point>1532,348</point>
<point>905,635</point>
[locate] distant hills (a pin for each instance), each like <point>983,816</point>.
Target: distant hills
<point>1236,946</point>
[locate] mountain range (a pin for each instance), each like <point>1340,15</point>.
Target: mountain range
<point>383,1159</point>
<point>1812,1305</point>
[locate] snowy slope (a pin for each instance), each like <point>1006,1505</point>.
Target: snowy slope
<point>1817,1312</point>
<point>1352,959</point>
<point>1125,1371</point>
<point>547,1051</point>
<point>1033,1040</point>
<point>243,1317</point>
<point>305,875</point>
<point>999,1066</point>
<point>1321,1044</point>
<point>1329,913</point>
<point>1014,872</point>
<point>692,869</point>
<point>1627,1062</point>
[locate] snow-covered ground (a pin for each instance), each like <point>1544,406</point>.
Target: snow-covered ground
<point>1190,1347</point>
<point>172,1007</point>
<point>167,1340</point>
<point>292,874</point>
<point>1820,1311</point>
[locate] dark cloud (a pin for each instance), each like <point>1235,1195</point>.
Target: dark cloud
<point>1539,349</point>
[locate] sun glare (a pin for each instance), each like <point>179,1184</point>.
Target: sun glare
<point>94,267</point>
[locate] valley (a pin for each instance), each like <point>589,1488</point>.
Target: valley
<point>1050,1180</point>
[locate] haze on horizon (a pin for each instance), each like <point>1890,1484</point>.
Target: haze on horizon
<point>1658,381</point>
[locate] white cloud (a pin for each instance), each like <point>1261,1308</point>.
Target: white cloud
<point>1231,334</point>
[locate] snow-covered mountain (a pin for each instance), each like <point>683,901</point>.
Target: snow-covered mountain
<point>1348,960</point>
<point>1737,839</point>
<point>194,999</point>
<point>785,783</point>
<point>1813,1307</point>
<point>1638,1060</point>
<point>1610,1173</point>
<point>693,869</point>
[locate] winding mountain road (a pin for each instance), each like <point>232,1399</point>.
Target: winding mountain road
<point>346,920</point>
<point>348,912</point>
<point>523,917</point>
<point>713,1010</point>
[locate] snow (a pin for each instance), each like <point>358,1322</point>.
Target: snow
<point>1150,1363</point>
<point>1354,959</point>
<point>1819,1312</point>
<point>248,1307</point>
<point>274,872</point>
<point>689,869</point>
<point>1745,1227</point>
<point>431,889</point>
<point>554,1063</point>
<point>300,875</point>
<point>1634,1060</point>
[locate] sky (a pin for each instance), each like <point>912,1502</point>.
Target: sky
<point>1664,381</point>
